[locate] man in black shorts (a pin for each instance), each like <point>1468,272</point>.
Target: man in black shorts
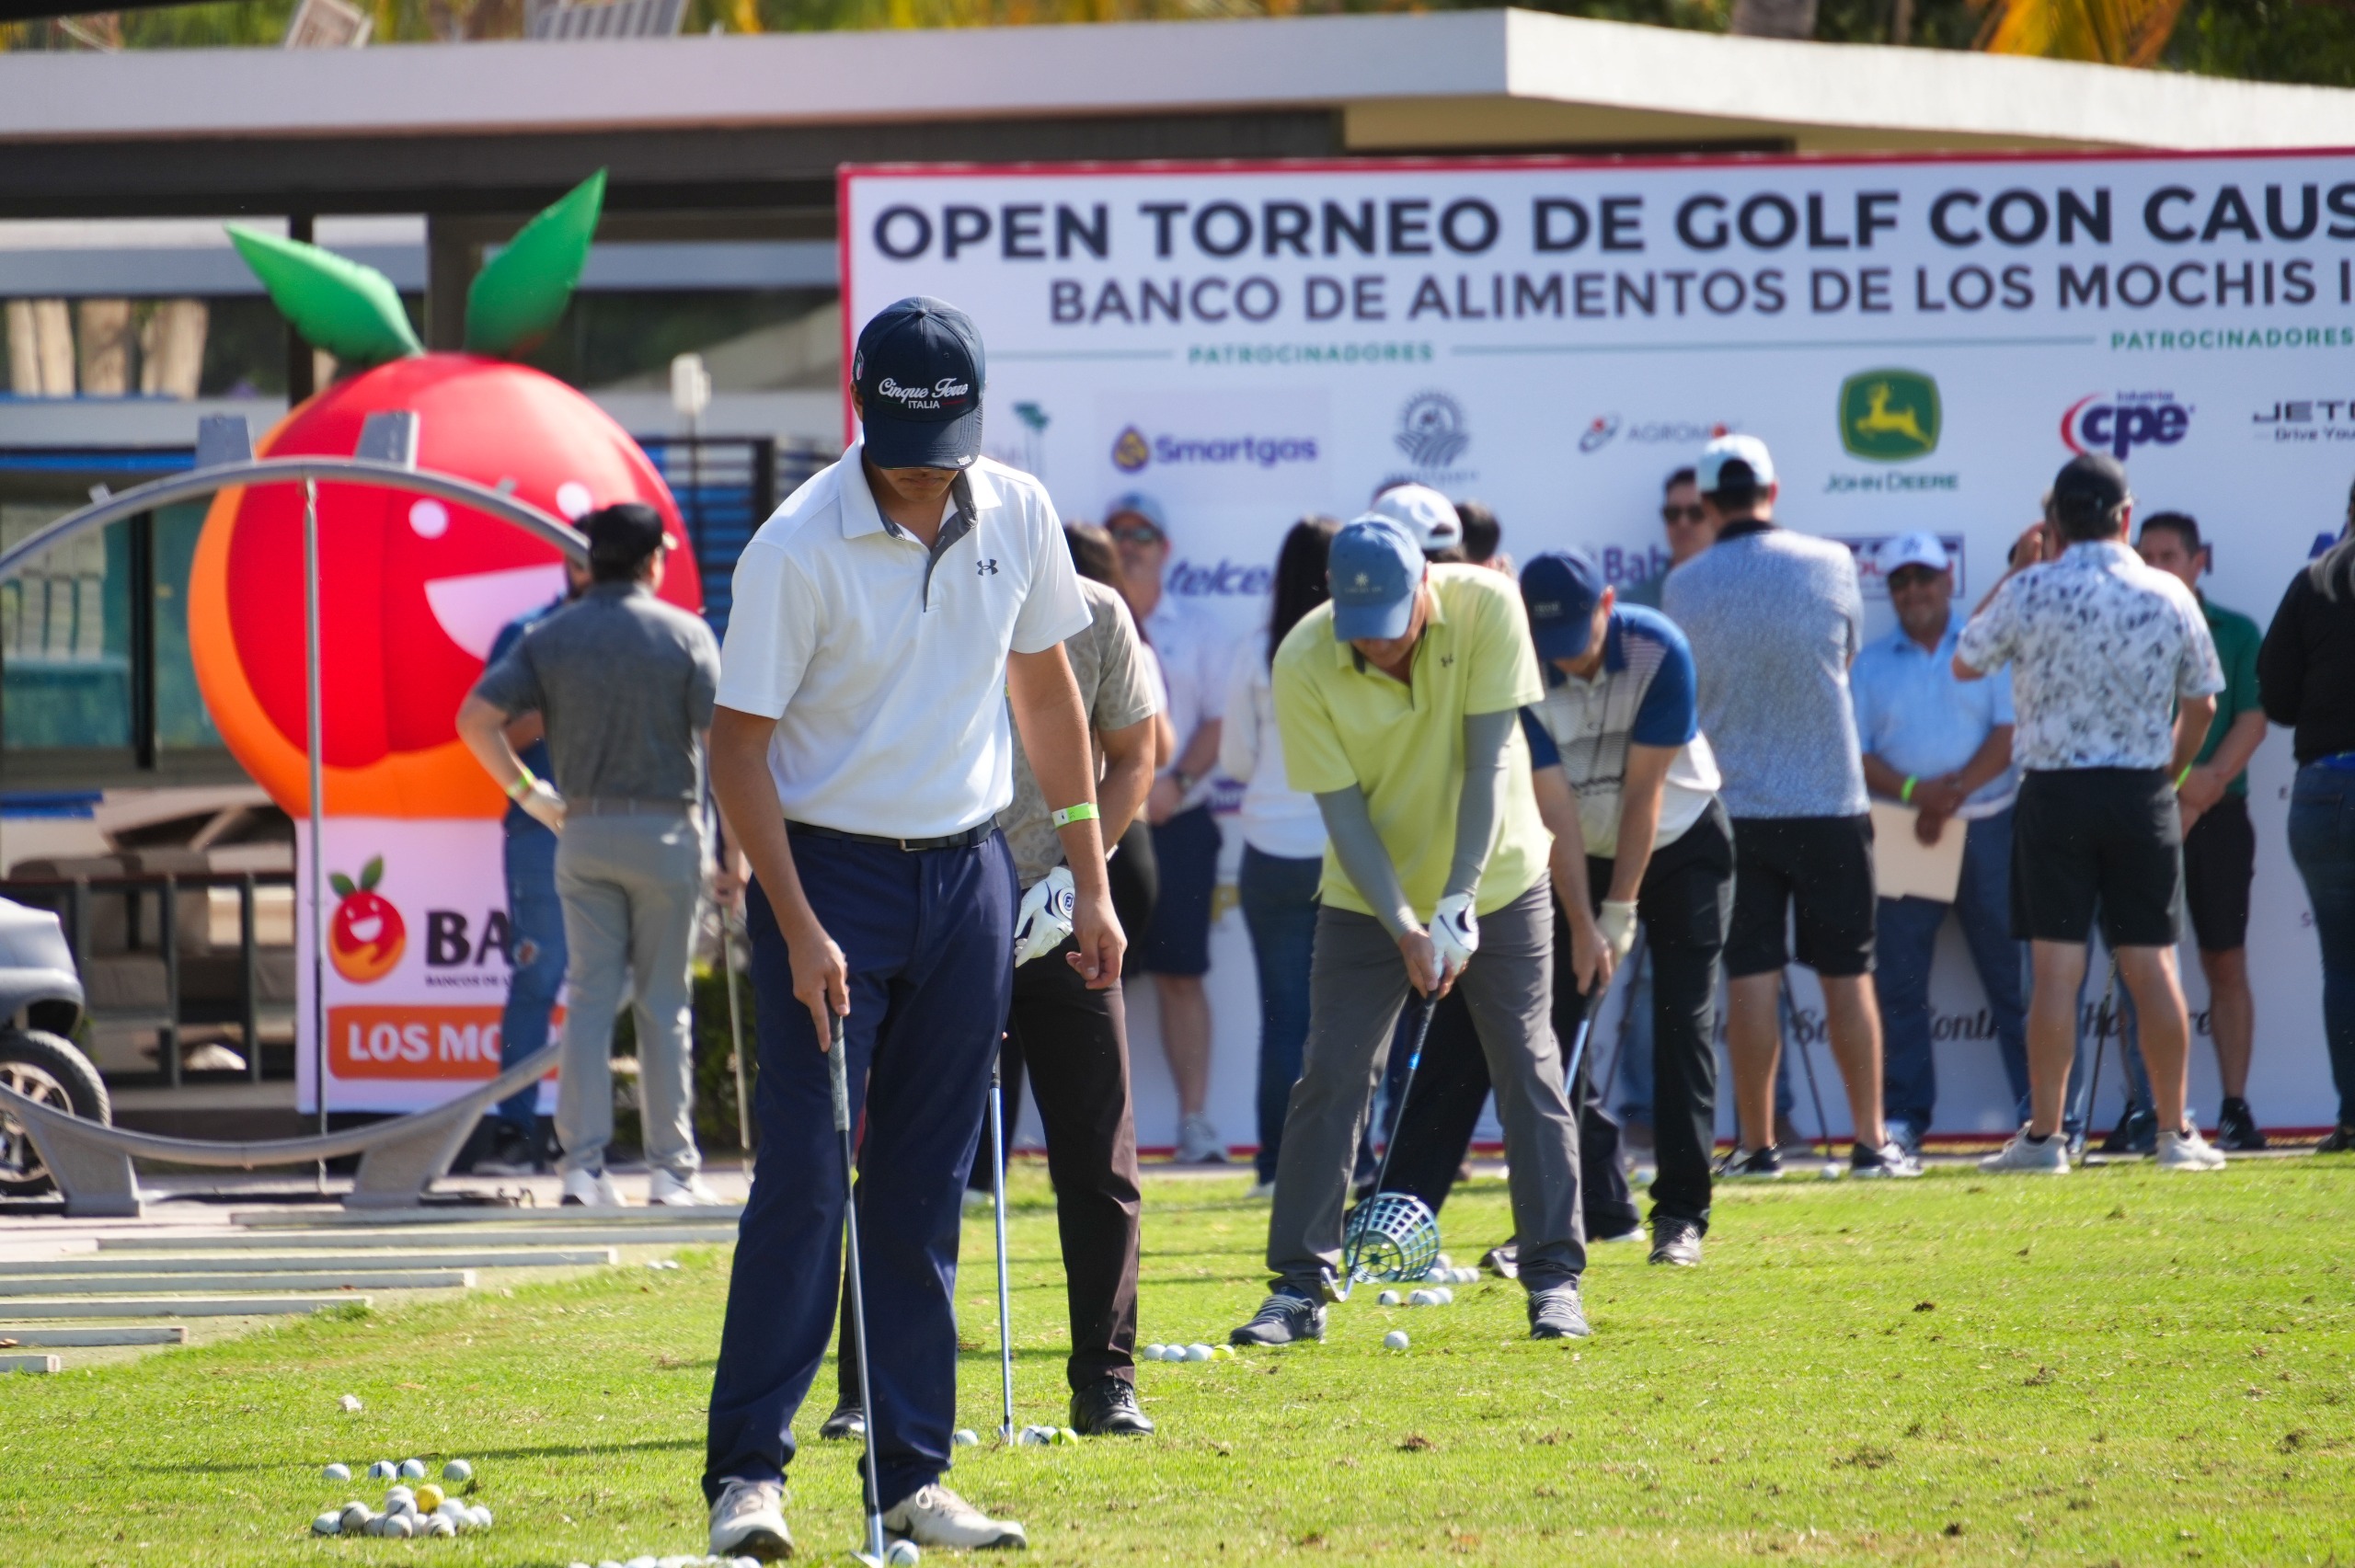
<point>2114,679</point>
<point>1774,618</point>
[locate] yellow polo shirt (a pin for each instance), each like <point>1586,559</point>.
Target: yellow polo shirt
<point>1403,743</point>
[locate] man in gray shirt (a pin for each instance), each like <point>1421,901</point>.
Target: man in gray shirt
<point>1774,619</point>
<point>625,683</point>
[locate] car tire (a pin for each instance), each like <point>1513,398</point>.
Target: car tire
<point>50,1070</point>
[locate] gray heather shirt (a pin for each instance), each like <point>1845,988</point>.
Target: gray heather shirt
<point>1116,689</point>
<point>1774,618</point>
<point>625,683</point>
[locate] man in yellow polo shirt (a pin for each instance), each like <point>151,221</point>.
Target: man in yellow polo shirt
<point>1397,701</point>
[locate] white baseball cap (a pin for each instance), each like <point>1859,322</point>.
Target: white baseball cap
<point>1428,516</point>
<point>1749,451</point>
<point>1911,550</point>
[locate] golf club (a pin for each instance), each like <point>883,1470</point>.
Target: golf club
<point>997,1197</point>
<point>1382,1171</point>
<point>736,1042</point>
<point>839,1073</point>
<point>1807,1062</point>
<point>1636,956</point>
<point>2101,1039</point>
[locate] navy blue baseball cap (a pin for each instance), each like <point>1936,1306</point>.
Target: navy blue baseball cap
<point>1374,568</point>
<point>1561,588</point>
<point>918,370</point>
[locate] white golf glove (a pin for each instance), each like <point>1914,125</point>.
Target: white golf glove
<point>541,803</point>
<point>1617,924</point>
<point>1455,932</point>
<point>1046,917</point>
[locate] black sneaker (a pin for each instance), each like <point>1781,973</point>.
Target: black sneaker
<point>2236,1128</point>
<point>2137,1132</point>
<point>1890,1160</point>
<point>1286,1317</point>
<point>1107,1408</point>
<point>2339,1141</point>
<point>513,1153</point>
<point>1556,1312</point>
<point>848,1421</point>
<point>1750,1165</point>
<point>1676,1243</point>
<point>1504,1261</point>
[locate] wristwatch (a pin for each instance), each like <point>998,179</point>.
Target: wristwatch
<point>1182,779</point>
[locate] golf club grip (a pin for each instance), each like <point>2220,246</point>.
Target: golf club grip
<point>840,1074</point>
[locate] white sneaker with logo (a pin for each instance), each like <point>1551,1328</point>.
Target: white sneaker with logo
<point>2051,1158</point>
<point>2186,1150</point>
<point>593,1188</point>
<point>748,1520</point>
<point>934,1517</point>
<point>667,1191</point>
<point>1199,1142</point>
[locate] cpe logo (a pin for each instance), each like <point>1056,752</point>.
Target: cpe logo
<point>365,935</point>
<point>2126,420</point>
<point>1889,416</point>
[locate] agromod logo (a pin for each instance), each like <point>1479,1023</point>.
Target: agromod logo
<point>1133,450</point>
<point>1431,430</point>
<point>365,935</point>
<point>1605,429</point>
<point>2123,421</point>
<point>1889,416</point>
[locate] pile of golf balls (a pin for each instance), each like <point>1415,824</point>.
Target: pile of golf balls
<point>1039,1437</point>
<point>1441,1273</point>
<point>1188,1353</point>
<point>409,1511</point>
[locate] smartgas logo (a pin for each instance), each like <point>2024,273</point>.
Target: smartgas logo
<point>1133,450</point>
<point>2128,420</point>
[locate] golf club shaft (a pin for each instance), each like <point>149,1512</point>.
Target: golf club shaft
<point>838,1070</point>
<point>1807,1063</point>
<point>1636,956</point>
<point>1578,1054</point>
<point>736,1041</point>
<point>997,1201</point>
<point>1398,1119</point>
<point>2101,1041</point>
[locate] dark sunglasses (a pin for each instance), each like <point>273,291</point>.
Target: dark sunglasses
<point>1138,533</point>
<point>1910,578</point>
<point>1680,514</point>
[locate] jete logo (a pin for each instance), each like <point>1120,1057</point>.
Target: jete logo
<point>1889,416</point>
<point>1431,430</point>
<point>365,935</point>
<point>1131,450</point>
<point>2128,420</point>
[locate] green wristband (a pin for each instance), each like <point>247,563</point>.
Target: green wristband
<point>1906,793</point>
<point>524,780</point>
<point>1064,816</point>
<point>2185,774</point>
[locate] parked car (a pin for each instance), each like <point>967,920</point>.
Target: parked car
<point>40,1005</point>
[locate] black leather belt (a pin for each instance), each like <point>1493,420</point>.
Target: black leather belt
<point>964,841</point>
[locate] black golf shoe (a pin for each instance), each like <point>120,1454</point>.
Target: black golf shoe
<point>1750,1165</point>
<point>1889,1161</point>
<point>1556,1312</point>
<point>1284,1318</point>
<point>1107,1408</point>
<point>2338,1140</point>
<point>848,1421</point>
<point>1677,1242</point>
<point>2236,1128</point>
<point>2137,1132</point>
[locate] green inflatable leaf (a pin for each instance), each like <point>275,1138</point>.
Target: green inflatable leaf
<point>352,312</point>
<point>517,300</point>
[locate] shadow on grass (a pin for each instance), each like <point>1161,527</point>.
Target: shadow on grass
<point>553,1450</point>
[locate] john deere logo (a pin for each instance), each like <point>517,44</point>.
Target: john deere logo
<point>1131,452</point>
<point>1889,416</point>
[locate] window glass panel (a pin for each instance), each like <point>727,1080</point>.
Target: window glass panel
<point>65,637</point>
<point>182,721</point>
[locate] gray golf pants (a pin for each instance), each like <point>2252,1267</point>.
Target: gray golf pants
<point>1357,986</point>
<point>630,885</point>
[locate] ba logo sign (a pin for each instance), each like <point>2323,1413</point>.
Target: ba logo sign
<point>2123,422</point>
<point>1889,416</point>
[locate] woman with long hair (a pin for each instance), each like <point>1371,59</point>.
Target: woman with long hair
<point>1283,836</point>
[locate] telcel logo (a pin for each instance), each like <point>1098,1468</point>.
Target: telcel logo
<point>2126,420</point>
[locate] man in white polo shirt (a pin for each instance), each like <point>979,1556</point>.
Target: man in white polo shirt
<point>886,620</point>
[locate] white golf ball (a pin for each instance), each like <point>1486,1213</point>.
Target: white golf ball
<point>457,1469</point>
<point>412,1469</point>
<point>1468,1276</point>
<point>1831,1171</point>
<point>482,1518</point>
<point>1443,1261</point>
<point>355,1515</point>
<point>903,1554</point>
<point>398,1526</point>
<point>382,1470</point>
<point>1153,1352</point>
<point>1422,1298</point>
<point>1197,1353</point>
<point>1434,1276</point>
<point>335,1472</point>
<point>1394,1340</point>
<point>327,1524</point>
<point>348,1403</point>
<point>1035,1437</point>
<point>965,1437</point>
<point>1442,1295</point>
<point>438,1526</point>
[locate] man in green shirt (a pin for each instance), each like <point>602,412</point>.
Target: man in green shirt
<point>2219,844</point>
<point>1397,701</point>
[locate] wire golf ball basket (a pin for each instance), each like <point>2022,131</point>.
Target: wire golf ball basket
<point>1391,1236</point>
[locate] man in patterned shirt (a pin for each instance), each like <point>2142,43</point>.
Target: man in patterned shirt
<point>2114,681</point>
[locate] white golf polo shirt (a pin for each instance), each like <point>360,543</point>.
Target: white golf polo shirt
<point>884,663</point>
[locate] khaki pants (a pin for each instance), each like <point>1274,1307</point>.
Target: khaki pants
<point>1357,986</point>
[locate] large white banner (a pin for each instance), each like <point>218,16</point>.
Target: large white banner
<point>1922,343</point>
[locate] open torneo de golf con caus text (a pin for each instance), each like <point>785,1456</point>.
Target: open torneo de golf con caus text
<point>2173,246</point>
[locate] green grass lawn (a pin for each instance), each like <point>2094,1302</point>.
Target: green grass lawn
<point>2118,1367</point>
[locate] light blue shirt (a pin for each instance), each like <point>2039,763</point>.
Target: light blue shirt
<point>1914,715</point>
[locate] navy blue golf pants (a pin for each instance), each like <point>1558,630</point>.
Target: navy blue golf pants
<point>929,940</point>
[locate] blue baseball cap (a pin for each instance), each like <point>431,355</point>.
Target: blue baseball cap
<point>1374,568</point>
<point>918,370</point>
<point>1561,588</point>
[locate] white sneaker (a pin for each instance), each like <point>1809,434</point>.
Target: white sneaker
<point>2186,1150</point>
<point>593,1188</point>
<point>933,1515</point>
<point>667,1191</point>
<point>749,1521</point>
<point>1199,1143</point>
<point>2051,1157</point>
<point>1265,1189</point>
